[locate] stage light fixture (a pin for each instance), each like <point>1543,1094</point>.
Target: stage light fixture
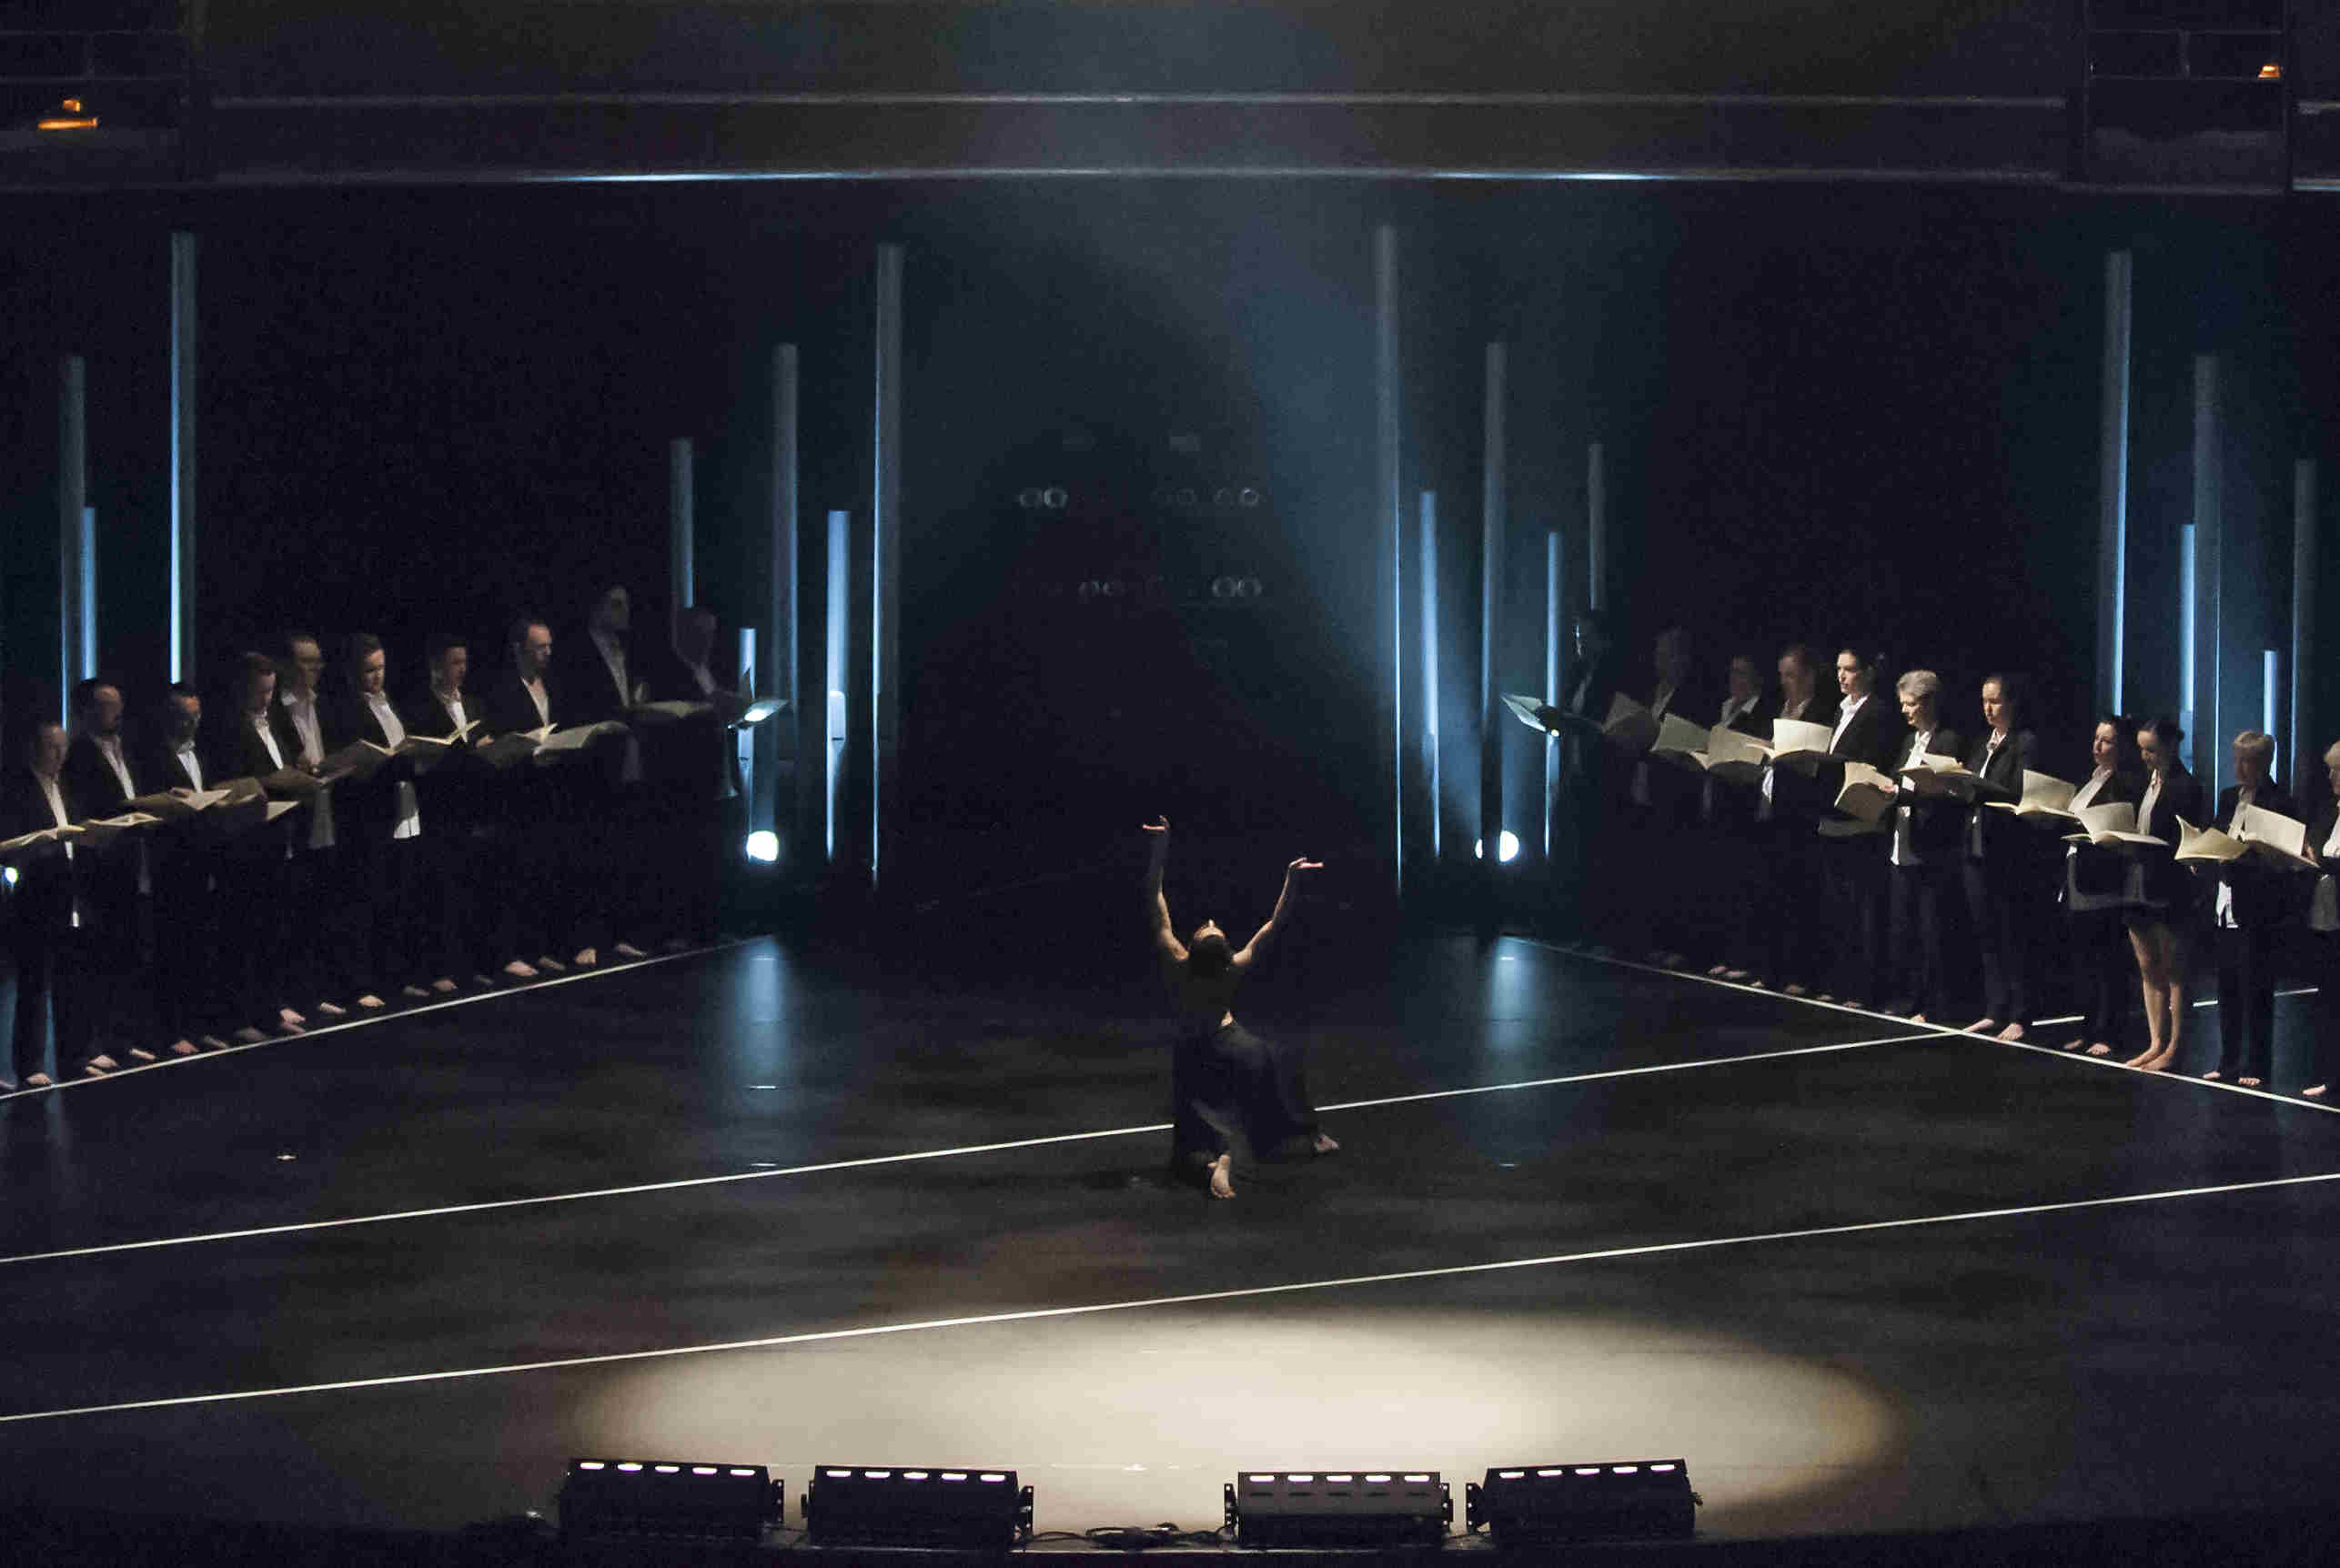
<point>1247,496</point>
<point>667,1500</point>
<point>1337,1507</point>
<point>1640,1500</point>
<point>930,1506</point>
<point>1056,497</point>
<point>763,845</point>
<point>1506,848</point>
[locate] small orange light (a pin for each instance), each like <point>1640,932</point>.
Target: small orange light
<point>69,117</point>
<point>2271,72</point>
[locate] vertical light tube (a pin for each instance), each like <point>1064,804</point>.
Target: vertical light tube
<point>1552,586</point>
<point>681,491</point>
<point>1428,578</point>
<point>183,465</point>
<point>2112,488</point>
<point>2186,604</point>
<point>1596,490</point>
<point>2270,698</point>
<point>2305,737</point>
<point>778,669</point>
<point>2209,536</point>
<point>1493,502</point>
<point>1390,503</point>
<point>73,520</point>
<point>834,725</point>
<point>885,546</point>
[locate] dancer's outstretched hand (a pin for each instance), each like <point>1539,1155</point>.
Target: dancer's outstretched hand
<point>1159,825</point>
<point>1304,864</point>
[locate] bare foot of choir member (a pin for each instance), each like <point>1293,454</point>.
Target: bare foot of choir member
<point>1228,1087</point>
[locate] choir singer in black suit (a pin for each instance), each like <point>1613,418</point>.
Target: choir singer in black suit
<point>536,817</point>
<point>187,935</point>
<point>1854,852</point>
<point>2005,882</point>
<point>468,873</point>
<point>696,767</point>
<point>1590,685</point>
<point>2097,886</point>
<point>2322,946</point>
<point>1732,833</point>
<point>1789,912</point>
<point>383,816</point>
<point>616,831</point>
<point>1923,855</point>
<point>115,875</point>
<point>2249,911</point>
<point>47,916</point>
<point>2161,915</point>
<point>260,913</point>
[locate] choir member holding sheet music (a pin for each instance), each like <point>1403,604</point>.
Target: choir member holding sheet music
<point>115,875</point>
<point>2252,903</point>
<point>2160,913</point>
<point>187,965</point>
<point>322,891</point>
<point>1867,732</point>
<point>259,902</point>
<point>2005,885</point>
<point>54,978</point>
<point>2097,885</point>
<point>1788,912</point>
<point>465,864</point>
<point>536,819</point>
<point>1661,814</point>
<point>382,829</point>
<point>2323,945</point>
<point>1586,696</point>
<point>696,767</point>
<point>1923,855</point>
<point>1727,806</point>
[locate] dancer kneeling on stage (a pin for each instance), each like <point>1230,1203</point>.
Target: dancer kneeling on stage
<point>1227,1083</point>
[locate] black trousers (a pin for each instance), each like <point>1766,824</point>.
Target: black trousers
<point>2247,959</point>
<point>2107,973</point>
<point>54,986</point>
<point>1859,906</point>
<point>188,995</point>
<point>2001,897</point>
<point>2321,960</point>
<point>1782,911</point>
<point>1923,936</point>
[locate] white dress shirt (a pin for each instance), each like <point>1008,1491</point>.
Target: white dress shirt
<point>110,748</point>
<point>1852,705</point>
<point>189,760</point>
<point>454,706</point>
<point>1905,851</point>
<point>535,689</point>
<point>302,711</point>
<point>613,660</point>
<point>409,809</point>
<point>1763,812</point>
<point>1974,816</point>
<point>2323,910</point>
<point>2225,918</point>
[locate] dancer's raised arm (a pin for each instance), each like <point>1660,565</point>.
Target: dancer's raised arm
<point>1283,907</point>
<point>1158,908</point>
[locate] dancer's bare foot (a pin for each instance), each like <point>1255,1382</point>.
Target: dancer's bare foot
<point>2313,1091</point>
<point>2247,1082</point>
<point>2074,1044</point>
<point>1984,1026</point>
<point>2101,1048</point>
<point>2211,1077</point>
<point>2012,1033</point>
<point>182,1047</point>
<point>1324,1144</point>
<point>371,1003</point>
<point>1220,1186</point>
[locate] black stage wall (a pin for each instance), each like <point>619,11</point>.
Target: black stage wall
<point>1839,413</point>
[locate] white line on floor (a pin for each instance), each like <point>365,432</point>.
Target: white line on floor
<point>2057,1052</point>
<point>777,1342</point>
<point>445,1210</point>
<point>619,966</point>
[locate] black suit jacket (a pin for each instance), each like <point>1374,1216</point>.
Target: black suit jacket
<point>587,691</point>
<point>2319,833</point>
<point>2263,895</point>
<point>507,708</point>
<point>1587,689</point>
<point>43,898</point>
<point>2182,795</point>
<point>2095,871</point>
<point>2002,835</point>
<point>95,785</point>
<point>1936,821</point>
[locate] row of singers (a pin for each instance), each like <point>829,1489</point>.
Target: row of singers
<point>303,845</point>
<point>1940,907</point>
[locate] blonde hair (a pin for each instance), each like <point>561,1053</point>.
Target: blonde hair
<point>2256,743</point>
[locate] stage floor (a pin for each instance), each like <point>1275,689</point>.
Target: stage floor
<point>783,1203</point>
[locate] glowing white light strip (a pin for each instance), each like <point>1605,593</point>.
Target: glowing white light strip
<point>622,966</point>
<point>867,1161</point>
<point>1034,1314</point>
